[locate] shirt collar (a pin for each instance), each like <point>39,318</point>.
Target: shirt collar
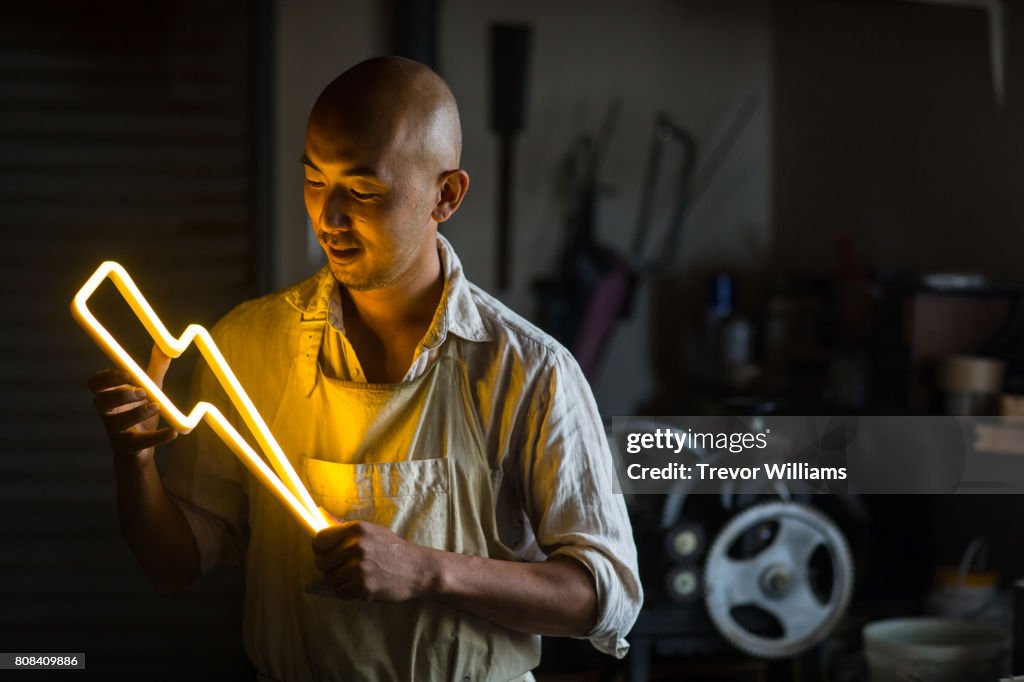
<point>317,298</point>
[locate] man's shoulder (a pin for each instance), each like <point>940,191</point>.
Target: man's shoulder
<point>515,334</point>
<point>270,310</point>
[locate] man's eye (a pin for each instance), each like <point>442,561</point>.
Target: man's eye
<point>363,195</point>
<point>315,184</point>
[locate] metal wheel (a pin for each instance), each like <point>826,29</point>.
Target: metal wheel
<point>765,579</point>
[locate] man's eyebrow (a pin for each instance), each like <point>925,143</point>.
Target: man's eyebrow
<point>358,172</point>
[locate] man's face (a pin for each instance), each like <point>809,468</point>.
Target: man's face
<point>370,205</point>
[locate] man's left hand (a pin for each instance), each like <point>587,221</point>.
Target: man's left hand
<point>363,560</point>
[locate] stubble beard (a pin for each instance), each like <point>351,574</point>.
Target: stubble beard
<point>355,283</point>
<point>380,278</point>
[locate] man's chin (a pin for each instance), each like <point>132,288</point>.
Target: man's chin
<point>353,281</point>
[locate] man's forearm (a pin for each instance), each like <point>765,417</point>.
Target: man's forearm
<point>155,528</point>
<point>555,597</point>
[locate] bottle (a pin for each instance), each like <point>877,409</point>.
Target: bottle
<point>716,313</point>
<point>728,337</point>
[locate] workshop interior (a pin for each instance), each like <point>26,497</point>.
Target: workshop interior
<point>747,208</point>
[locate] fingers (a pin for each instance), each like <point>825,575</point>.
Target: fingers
<point>132,442</point>
<point>107,379</point>
<point>353,589</point>
<point>114,399</point>
<point>130,419</point>
<point>339,556</point>
<point>134,431</point>
<point>350,580</point>
<point>370,563</point>
<point>158,364</point>
<point>123,421</point>
<point>114,378</point>
<point>331,537</point>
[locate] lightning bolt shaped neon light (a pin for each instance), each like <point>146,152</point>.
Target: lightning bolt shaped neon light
<point>290,490</point>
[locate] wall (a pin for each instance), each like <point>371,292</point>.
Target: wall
<point>886,128</point>
<point>314,41</point>
<point>696,61</point>
<point>125,134</point>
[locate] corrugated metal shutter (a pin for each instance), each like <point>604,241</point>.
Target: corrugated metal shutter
<point>126,132</point>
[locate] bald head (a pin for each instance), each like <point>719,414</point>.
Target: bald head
<point>396,103</point>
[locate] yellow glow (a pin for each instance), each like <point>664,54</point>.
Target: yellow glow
<point>290,490</point>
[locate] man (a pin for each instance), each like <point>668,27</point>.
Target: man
<point>457,447</point>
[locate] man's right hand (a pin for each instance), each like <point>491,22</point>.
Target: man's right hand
<point>130,418</point>
<point>156,529</point>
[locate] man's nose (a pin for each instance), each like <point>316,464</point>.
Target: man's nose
<point>335,212</point>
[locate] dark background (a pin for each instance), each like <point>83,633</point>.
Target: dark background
<point>166,136</point>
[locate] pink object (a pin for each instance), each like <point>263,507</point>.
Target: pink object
<point>603,309</point>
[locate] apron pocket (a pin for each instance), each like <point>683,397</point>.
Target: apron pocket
<point>409,497</point>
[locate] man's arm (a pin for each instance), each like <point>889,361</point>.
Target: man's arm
<point>554,597</point>
<point>153,525</point>
<point>369,562</point>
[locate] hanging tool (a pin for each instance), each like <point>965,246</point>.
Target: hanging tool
<point>611,296</point>
<point>583,262</point>
<point>510,46</point>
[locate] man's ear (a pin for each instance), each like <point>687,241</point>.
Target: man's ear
<point>454,185</point>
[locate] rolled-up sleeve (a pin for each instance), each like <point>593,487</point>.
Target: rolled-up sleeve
<point>568,480</point>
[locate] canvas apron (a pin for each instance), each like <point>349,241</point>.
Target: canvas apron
<point>408,456</point>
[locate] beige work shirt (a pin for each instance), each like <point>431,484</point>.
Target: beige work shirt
<point>537,417</point>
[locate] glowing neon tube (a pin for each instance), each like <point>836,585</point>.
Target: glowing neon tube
<point>290,490</point>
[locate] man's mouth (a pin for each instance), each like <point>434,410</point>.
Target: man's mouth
<point>339,248</point>
<point>343,255</point>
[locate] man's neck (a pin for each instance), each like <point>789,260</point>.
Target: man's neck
<point>385,325</point>
<point>409,303</point>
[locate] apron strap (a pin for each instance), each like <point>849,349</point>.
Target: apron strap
<point>311,336</point>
